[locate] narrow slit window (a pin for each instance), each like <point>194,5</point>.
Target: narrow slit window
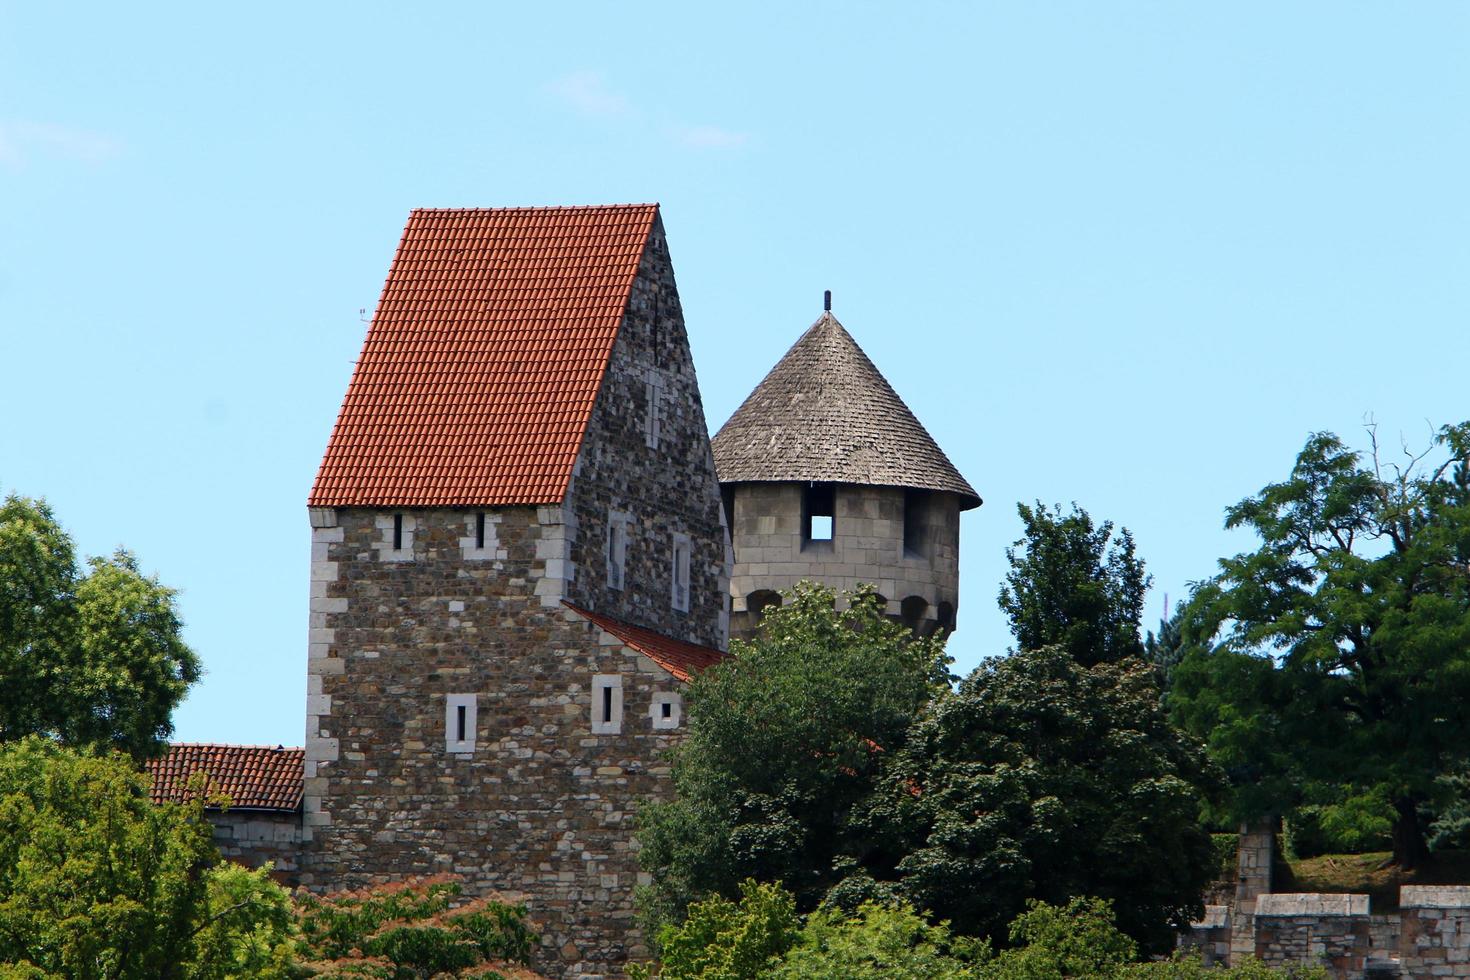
<point>480,530</point>
<point>459,723</point>
<point>679,573</point>
<point>617,549</point>
<point>607,704</point>
<point>397,532</point>
<point>666,709</point>
<point>652,423</point>
<point>819,512</point>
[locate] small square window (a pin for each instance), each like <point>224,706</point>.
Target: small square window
<point>666,710</point>
<point>819,512</point>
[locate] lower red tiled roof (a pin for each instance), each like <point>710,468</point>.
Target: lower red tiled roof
<point>254,777</point>
<point>679,658</point>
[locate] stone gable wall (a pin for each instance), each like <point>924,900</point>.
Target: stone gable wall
<point>541,809</point>
<point>668,490</point>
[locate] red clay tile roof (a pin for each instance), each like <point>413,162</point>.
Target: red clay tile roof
<point>681,659</point>
<point>254,777</point>
<point>478,374</point>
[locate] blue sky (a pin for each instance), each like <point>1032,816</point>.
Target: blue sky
<point>1125,254</point>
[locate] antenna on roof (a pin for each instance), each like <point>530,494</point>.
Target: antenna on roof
<point>827,301</point>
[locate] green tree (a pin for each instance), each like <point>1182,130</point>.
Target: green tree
<point>96,882</point>
<point>1042,779</point>
<point>879,942</point>
<point>93,660</point>
<point>1334,660</point>
<point>1074,586</point>
<point>724,940</point>
<point>785,739</point>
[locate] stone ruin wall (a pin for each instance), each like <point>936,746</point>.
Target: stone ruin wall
<point>1428,938</point>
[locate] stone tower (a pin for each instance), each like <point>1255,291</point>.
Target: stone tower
<point>827,475</point>
<point>518,557</point>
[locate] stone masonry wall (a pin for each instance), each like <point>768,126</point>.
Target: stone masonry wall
<point>253,837</point>
<point>535,806</point>
<point>664,490</point>
<point>1435,937</point>
<point>867,546</point>
<point>1330,930</point>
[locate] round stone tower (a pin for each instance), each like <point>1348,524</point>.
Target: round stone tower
<point>828,476</point>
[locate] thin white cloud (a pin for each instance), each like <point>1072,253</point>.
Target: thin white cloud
<point>22,141</point>
<point>712,137</point>
<point>587,91</point>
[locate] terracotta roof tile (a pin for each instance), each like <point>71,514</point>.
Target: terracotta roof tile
<point>484,357</point>
<point>254,777</point>
<point>679,658</point>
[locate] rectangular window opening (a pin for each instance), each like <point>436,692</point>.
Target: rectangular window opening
<point>480,530</point>
<point>607,707</point>
<point>915,523</point>
<point>668,709</point>
<point>819,512</point>
<point>459,723</point>
<point>397,532</point>
<point>680,573</point>
<point>617,548</point>
<point>652,423</point>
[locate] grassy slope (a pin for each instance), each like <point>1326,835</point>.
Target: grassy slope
<point>1372,874</point>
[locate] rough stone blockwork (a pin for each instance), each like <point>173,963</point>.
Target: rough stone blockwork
<point>1331,930</point>
<point>665,489</point>
<point>253,838</point>
<point>1435,939</point>
<point>541,809</point>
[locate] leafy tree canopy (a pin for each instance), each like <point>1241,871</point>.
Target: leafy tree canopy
<point>1035,761</point>
<point>92,659</point>
<point>1333,661</point>
<point>1073,585</point>
<point>96,882</point>
<point>785,739</point>
<point>761,937</point>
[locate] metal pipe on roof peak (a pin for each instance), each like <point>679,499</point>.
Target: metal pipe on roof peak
<point>827,301</point>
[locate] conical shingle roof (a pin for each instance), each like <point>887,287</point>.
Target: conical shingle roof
<point>825,414</point>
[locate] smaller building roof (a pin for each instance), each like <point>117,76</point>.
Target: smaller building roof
<point>825,414</point>
<point>682,660</point>
<point>254,777</point>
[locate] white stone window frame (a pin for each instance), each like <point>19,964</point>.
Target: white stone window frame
<point>469,544</point>
<point>385,549</point>
<point>679,564</point>
<point>607,704</point>
<point>616,549</point>
<point>453,744</point>
<point>653,393</point>
<point>675,704</point>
